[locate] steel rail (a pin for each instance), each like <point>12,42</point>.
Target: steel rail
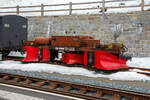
<point>144,69</point>
<point>147,73</point>
<point>89,92</point>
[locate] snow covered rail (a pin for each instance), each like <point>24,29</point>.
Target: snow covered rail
<point>101,6</point>
<point>141,70</point>
<point>88,92</point>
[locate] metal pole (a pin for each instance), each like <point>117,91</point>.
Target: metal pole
<point>17,9</point>
<point>70,8</point>
<point>142,5</point>
<point>103,7</point>
<point>42,10</point>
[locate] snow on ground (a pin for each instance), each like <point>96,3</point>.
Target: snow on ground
<point>49,68</point>
<point>12,3</point>
<point>140,62</point>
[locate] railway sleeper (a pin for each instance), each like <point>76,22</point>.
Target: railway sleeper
<point>82,91</point>
<point>40,83</point>
<point>98,94</point>
<point>16,79</point>
<point>53,86</point>
<point>67,88</point>
<point>5,77</point>
<point>27,81</point>
<point>116,96</point>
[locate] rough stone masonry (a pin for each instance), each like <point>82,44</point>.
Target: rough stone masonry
<point>131,29</point>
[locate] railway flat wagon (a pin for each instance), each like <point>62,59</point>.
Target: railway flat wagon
<point>83,50</point>
<point>13,31</point>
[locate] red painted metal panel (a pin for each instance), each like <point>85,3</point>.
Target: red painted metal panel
<point>71,58</point>
<point>46,55</point>
<point>31,54</point>
<point>85,58</point>
<point>107,61</point>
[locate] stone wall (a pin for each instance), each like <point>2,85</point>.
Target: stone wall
<point>131,29</point>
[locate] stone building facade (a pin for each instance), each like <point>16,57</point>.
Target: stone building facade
<point>131,29</point>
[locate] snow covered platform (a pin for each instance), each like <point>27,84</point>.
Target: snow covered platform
<point>130,80</point>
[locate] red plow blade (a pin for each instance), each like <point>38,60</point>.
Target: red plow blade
<point>31,54</point>
<point>107,61</point>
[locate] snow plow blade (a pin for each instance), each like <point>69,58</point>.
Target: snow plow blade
<point>70,58</point>
<point>31,54</point>
<point>107,61</point>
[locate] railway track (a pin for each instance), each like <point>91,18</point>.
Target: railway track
<point>145,71</point>
<point>88,92</point>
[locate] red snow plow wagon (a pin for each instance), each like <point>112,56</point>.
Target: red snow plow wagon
<point>82,50</point>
